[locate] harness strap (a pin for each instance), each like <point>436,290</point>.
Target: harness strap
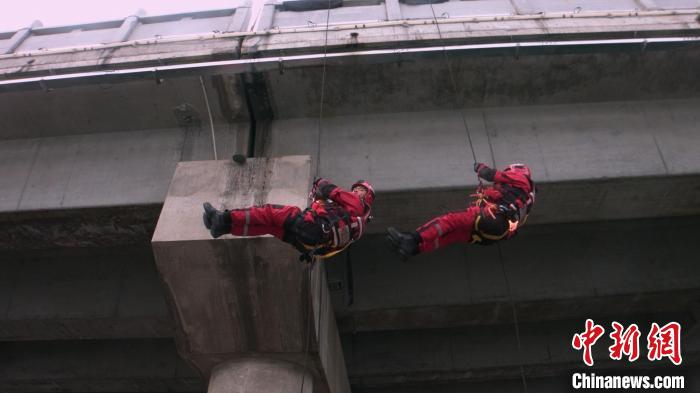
<point>488,236</point>
<point>338,238</point>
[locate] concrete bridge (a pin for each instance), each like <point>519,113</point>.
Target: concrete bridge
<point>599,98</point>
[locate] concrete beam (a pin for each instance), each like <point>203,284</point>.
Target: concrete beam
<point>237,297</point>
<point>102,170</point>
<point>635,267</point>
<point>153,365</point>
<point>564,202</point>
<point>478,28</point>
<point>442,316</point>
<point>96,366</point>
<point>552,271</point>
<point>172,104</point>
<point>128,54</point>
<point>572,143</point>
<point>453,356</point>
<point>81,293</point>
<point>85,227</point>
<point>420,83</point>
<point>595,161</point>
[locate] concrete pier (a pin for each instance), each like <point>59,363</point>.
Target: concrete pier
<point>234,298</point>
<point>260,376</point>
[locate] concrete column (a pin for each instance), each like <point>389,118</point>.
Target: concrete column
<point>243,297</point>
<point>260,375</point>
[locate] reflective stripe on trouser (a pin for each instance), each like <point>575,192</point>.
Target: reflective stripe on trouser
<point>261,220</point>
<point>447,229</point>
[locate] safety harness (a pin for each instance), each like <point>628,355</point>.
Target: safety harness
<point>339,230</point>
<point>501,219</point>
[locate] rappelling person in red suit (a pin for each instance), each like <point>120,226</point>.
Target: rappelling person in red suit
<point>335,219</point>
<point>496,214</point>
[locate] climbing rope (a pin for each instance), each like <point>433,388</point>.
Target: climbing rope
<point>515,318</point>
<point>457,104</point>
<point>508,288</point>
<point>309,312</point>
<point>211,120</point>
<point>458,107</point>
<point>317,171</point>
<point>323,91</point>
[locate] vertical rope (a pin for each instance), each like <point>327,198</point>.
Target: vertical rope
<point>457,103</point>
<point>323,93</point>
<point>307,343</point>
<point>211,121</point>
<point>458,107</point>
<point>510,293</point>
<point>515,318</point>
<point>317,173</point>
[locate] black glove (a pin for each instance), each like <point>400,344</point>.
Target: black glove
<point>316,189</point>
<point>323,188</point>
<point>484,171</point>
<point>320,181</point>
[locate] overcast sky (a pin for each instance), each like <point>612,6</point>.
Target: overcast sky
<point>17,14</point>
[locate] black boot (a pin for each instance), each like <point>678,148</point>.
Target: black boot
<point>217,222</point>
<point>406,244</point>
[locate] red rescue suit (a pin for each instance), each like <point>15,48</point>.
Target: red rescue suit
<point>326,227</point>
<point>496,214</point>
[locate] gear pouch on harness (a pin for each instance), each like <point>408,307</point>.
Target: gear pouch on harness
<point>516,203</point>
<point>339,229</point>
<point>489,227</point>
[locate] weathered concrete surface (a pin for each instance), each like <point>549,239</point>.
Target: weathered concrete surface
<point>260,375</point>
<point>174,103</point>
<point>236,297</point>
<point>137,55</point>
<point>86,227</point>
<point>96,366</point>
<point>81,293</point>
<point>476,26</point>
<point>416,83</point>
<point>100,170</point>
